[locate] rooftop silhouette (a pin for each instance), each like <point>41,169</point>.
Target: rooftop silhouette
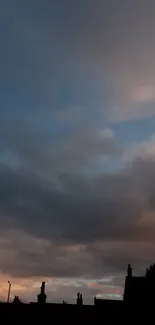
<point>140,289</point>
<point>138,292</point>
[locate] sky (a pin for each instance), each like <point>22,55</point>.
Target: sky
<point>77,146</point>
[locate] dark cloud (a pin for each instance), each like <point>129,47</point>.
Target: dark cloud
<point>92,226</point>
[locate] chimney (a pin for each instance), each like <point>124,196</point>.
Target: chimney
<point>79,299</point>
<point>42,296</point>
<point>129,271</point>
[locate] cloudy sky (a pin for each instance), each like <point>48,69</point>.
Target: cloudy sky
<point>77,145</point>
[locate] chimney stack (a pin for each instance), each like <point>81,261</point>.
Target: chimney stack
<point>42,296</point>
<point>79,299</point>
<point>129,271</point>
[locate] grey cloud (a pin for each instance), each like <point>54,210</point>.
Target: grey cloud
<point>81,208</point>
<point>36,150</point>
<point>85,215</point>
<point>104,207</point>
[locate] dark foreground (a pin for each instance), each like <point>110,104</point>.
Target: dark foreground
<point>108,312</point>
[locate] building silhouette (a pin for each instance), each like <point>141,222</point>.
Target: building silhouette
<point>137,305</point>
<point>140,289</point>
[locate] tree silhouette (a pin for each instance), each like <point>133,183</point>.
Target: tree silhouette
<point>150,272</point>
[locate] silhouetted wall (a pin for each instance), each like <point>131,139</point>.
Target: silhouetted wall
<point>106,312</point>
